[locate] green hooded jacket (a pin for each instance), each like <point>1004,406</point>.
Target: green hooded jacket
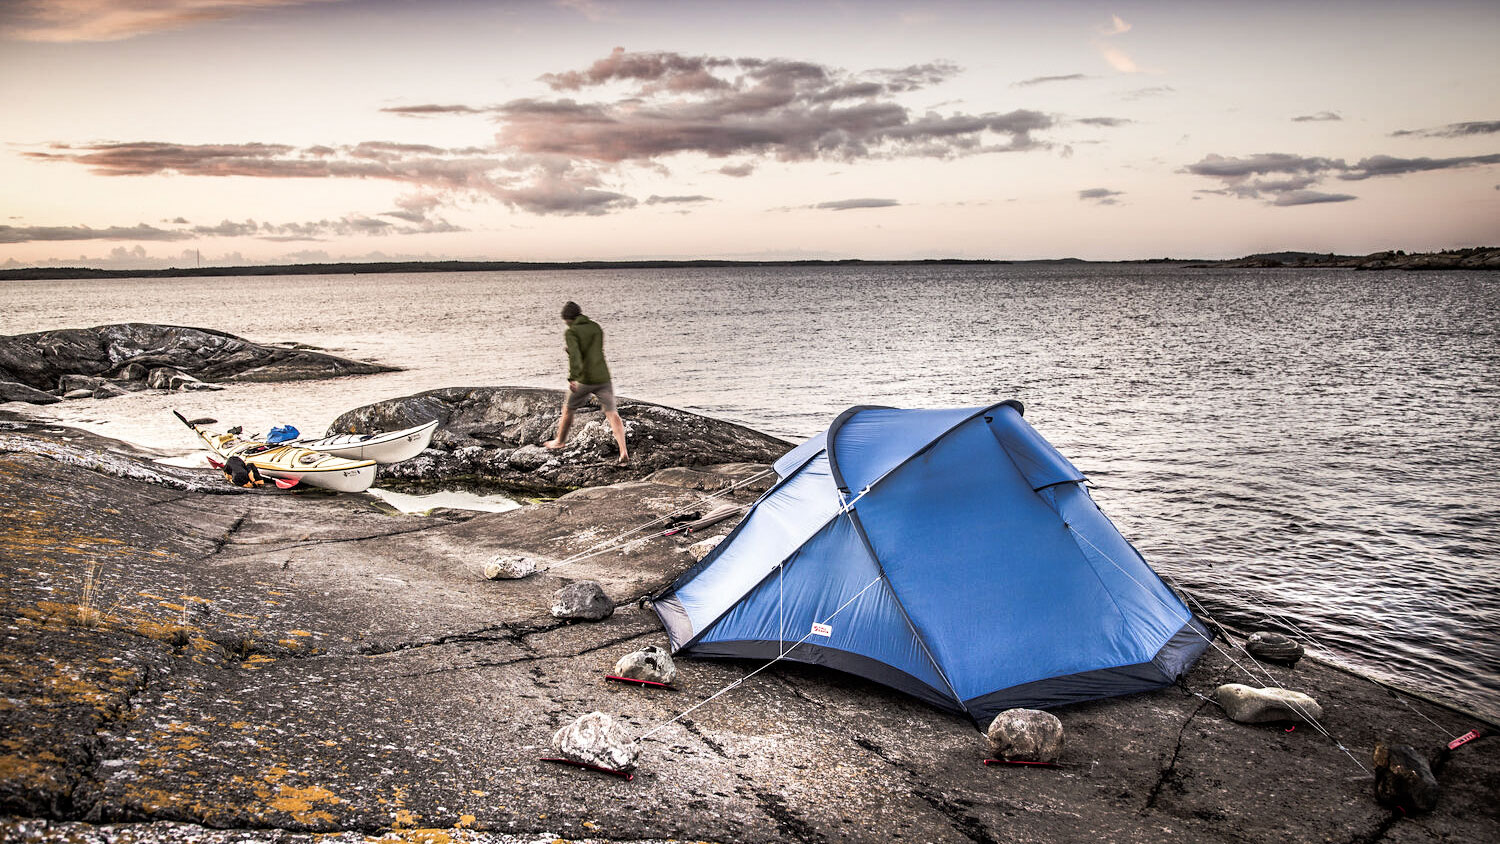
<point>585,341</point>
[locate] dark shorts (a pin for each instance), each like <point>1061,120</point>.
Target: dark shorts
<point>579,396</point>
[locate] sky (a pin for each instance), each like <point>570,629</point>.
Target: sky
<point>156,133</point>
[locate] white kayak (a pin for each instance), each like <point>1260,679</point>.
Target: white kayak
<point>389,447</point>
<point>291,463</point>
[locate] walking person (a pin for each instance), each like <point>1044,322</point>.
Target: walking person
<point>588,375</point>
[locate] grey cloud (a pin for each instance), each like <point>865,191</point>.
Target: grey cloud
<point>432,109</point>
<point>1286,180</point>
<point>28,234</point>
<point>1386,165</point>
<point>1144,93</point>
<point>789,110</point>
<point>1309,197</point>
<point>1317,118</point>
<point>738,171</point>
<point>1108,122</point>
<point>676,200</point>
<point>850,204</point>
<point>1103,196</point>
<point>1042,80</point>
<point>1453,130</point>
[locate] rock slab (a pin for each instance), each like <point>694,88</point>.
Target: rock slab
<point>651,664</point>
<point>1250,705</point>
<point>583,600</point>
<point>1404,779</point>
<point>597,739</point>
<point>1026,735</point>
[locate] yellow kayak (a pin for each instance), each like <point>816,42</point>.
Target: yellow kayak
<point>290,462</point>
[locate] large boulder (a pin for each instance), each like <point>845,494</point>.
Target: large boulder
<point>127,352</point>
<point>11,391</point>
<point>493,434</point>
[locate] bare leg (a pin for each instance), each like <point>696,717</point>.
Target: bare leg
<point>563,423</point>
<point>616,425</point>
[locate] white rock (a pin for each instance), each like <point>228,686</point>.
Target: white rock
<point>650,663</point>
<point>597,739</point>
<point>509,567</point>
<point>1250,705</point>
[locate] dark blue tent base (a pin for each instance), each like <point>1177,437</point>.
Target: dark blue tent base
<point>1175,657</point>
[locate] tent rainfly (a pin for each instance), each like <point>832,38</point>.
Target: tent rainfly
<point>952,554</point>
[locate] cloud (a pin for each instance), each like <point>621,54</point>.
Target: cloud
<point>1103,121</point>
<point>1283,179</point>
<point>560,154</point>
<point>1453,130</point>
<point>1309,197</point>
<point>1317,118</point>
<point>115,20</point>
<point>676,200</point>
<point>1116,57</point>
<point>850,204</point>
<point>352,224</point>
<point>778,108</point>
<point>1102,196</point>
<point>141,231</point>
<point>1386,165</point>
<point>432,109</point>
<point>1042,80</point>
<point>1145,93</point>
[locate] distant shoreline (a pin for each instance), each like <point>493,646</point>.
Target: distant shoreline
<point>1476,258</point>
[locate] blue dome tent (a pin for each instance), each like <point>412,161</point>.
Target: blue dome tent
<point>952,554</point>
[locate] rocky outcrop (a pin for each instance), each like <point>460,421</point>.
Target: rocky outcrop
<point>492,434</point>
<point>115,359</point>
<point>267,665</point>
<point>1476,258</point>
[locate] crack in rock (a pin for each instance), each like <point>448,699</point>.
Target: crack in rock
<point>1169,771</point>
<point>964,823</point>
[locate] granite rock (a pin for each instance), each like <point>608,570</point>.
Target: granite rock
<point>1250,705</point>
<point>650,663</point>
<point>583,600</point>
<point>597,739</point>
<point>1404,779</point>
<point>1026,735</point>
<point>1268,646</point>
<point>493,434</point>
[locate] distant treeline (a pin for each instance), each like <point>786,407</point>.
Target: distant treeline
<point>459,266</point>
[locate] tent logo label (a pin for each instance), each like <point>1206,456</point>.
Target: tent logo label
<point>822,629</point>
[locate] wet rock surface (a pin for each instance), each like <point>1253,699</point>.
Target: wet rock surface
<point>112,360</point>
<point>179,665</point>
<point>493,434</point>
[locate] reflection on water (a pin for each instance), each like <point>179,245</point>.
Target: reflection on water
<point>1310,445</point>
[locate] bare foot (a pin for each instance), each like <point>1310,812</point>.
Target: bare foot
<point>553,445</point>
<point>623,461</point>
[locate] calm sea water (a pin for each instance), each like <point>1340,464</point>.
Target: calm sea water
<point>1315,446</point>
